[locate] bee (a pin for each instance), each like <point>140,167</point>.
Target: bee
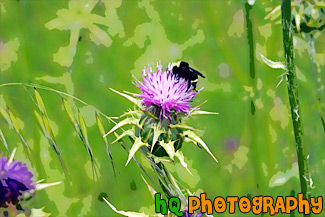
<point>182,69</point>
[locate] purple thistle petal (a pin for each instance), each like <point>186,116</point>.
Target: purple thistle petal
<point>163,92</point>
<point>15,179</point>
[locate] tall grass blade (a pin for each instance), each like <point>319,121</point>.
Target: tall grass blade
<point>81,130</point>
<point>5,115</point>
<point>102,133</point>
<point>84,135</point>
<point>47,132</point>
<point>16,127</point>
<point>50,134</point>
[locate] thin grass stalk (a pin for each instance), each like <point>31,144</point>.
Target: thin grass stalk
<point>304,174</point>
<point>61,93</point>
<point>256,159</point>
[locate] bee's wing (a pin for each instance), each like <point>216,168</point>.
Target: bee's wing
<point>197,72</point>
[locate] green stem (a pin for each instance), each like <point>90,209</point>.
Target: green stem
<point>293,97</point>
<point>166,181</point>
<point>162,185</point>
<point>249,29</point>
<point>252,119</point>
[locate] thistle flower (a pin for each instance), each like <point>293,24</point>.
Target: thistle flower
<point>159,121</point>
<point>15,179</point>
<point>158,127</point>
<point>162,93</point>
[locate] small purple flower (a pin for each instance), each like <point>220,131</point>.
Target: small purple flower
<point>186,214</point>
<point>15,179</point>
<point>163,93</point>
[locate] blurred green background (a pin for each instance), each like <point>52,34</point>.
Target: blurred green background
<point>41,43</point>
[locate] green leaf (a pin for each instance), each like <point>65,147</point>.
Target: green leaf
<point>169,147</point>
<point>135,147</point>
<point>131,214</point>
<point>130,98</point>
<point>156,133</point>
<point>130,121</point>
<point>273,65</point>
<point>194,138</point>
<point>159,159</point>
<point>126,148</point>
<point>125,133</point>
<point>180,157</point>
<point>132,113</point>
<point>182,126</point>
<point>39,213</point>
<point>200,112</point>
<point>41,186</point>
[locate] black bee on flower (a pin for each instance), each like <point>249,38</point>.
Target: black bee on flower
<point>182,69</point>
